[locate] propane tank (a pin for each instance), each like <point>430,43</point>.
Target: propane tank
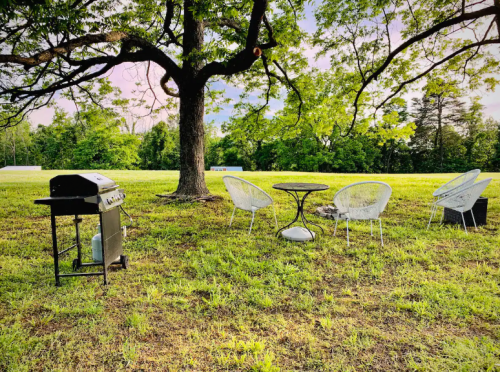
<point>97,246</point>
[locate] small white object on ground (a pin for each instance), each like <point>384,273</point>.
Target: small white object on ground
<point>298,234</point>
<point>327,211</point>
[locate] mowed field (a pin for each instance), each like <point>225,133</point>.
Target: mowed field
<point>200,297</point>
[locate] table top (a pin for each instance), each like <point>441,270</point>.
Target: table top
<point>300,186</point>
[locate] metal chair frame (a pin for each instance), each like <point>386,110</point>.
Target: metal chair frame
<point>253,208</point>
<point>346,215</point>
<point>468,200</point>
<point>443,191</point>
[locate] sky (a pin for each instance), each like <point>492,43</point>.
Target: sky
<point>126,76</point>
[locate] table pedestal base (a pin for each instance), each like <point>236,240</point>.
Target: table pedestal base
<point>298,234</point>
<point>300,213</point>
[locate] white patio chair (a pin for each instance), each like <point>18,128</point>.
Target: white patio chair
<point>362,201</point>
<point>455,185</point>
<point>248,197</point>
<point>464,199</point>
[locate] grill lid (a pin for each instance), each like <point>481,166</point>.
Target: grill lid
<point>86,184</point>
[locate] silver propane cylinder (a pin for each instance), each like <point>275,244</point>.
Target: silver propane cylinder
<point>97,246</point>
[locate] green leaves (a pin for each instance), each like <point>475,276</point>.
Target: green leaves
<point>388,46</point>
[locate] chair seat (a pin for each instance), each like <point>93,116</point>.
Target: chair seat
<point>247,197</point>
<point>362,201</point>
<point>457,209</point>
<point>251,209</point>
<point>359,214</point>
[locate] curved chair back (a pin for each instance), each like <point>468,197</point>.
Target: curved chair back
<point>464,199</point>
<point>363,200</point>
<point>246,195</point>
<point>458,183</point>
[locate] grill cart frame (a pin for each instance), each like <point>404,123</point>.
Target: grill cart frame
<point>96,195</point>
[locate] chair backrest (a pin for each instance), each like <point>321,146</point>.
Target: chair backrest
<point>363,200</point>
<point>465,198</point>
<point>246,195</point>
<point>458,183</point>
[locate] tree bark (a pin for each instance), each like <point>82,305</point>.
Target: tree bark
<point>497,4</point>
<point>192,134</point>
<point>192,109</point>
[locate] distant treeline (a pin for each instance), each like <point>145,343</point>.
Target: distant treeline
<point>448,137</point>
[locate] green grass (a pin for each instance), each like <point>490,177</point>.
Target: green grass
<point>201,297</point>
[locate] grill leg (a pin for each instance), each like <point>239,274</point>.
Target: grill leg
<point>336,222</point>
<point>473,219</point>
<point>465,227</point>
<point>232,216</point>
<point>54,247</point>
<point>442,216</point>
<point>371,227</point>
<point>104,263</point>
<point>78,243</point>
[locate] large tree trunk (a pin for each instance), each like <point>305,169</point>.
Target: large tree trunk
<point>192,109</point>
<point>192,132</point>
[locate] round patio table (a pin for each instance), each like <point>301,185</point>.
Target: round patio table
<point>293,189</point>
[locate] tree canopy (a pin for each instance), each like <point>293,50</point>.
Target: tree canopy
<point>388,45</point>
<point>64,45</point>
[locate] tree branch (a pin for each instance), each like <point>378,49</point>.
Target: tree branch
<point>270,33</point>
<point>283,71</point>
<point>435,65</point>
<point>163,83</point>
<point>167,22</point>
<point>231,23</point>
<point>492,10</point>
<point>258,10</point>
<point>244,59</point>
<point>64,48</point>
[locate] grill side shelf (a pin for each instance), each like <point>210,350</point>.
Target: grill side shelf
<point>58,199</point>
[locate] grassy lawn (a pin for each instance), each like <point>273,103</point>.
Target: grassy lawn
<point>201,297</point>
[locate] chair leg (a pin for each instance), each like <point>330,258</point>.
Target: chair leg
<point>232,216</point>
<point>347,232</point>
<point>432,215</point>
<point>371,227</point>
<point>465,227</point>
<point>275,219</point>
<point>381,235</point>
<point>473,219</point>
<point>335,230</point>
<point>251,223</point>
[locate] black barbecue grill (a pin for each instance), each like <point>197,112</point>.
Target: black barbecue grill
<point>87,194</point>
